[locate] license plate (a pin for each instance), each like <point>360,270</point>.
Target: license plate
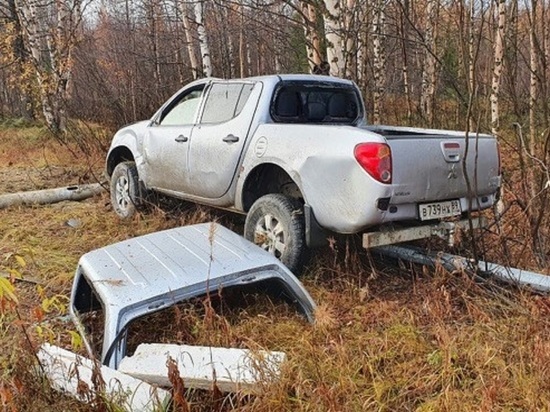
<point>428,211</point>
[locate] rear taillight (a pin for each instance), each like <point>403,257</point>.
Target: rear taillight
<point>375,158</point>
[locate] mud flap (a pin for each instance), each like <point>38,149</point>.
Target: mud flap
<point>316,236</point>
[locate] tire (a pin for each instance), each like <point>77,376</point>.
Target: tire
<point>276,223</point>
<point>126,190</point>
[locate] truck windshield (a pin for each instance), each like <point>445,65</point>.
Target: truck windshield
<point>315,102</point>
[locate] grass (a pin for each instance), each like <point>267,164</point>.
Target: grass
<point>387,338</point>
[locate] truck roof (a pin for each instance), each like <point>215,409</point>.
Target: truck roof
<point>144,267</point>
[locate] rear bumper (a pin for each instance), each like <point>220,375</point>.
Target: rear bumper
<point>442,229</point>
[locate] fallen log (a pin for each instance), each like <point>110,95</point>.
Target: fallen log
<point>48,196</point>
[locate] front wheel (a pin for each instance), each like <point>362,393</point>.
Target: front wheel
<point>126,191</point>
<point>276,223</point>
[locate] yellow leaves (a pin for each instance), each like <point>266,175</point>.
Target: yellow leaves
<point>8,297</point>
<point>45,333</point>
<point>76,340</point>
<point>21,262</point>
<point>49,304</point>
<point>7,293</point>
<point>57,303</point>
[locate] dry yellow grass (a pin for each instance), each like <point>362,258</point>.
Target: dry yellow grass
<point>387,339</point>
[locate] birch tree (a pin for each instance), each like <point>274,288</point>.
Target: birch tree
<point>429,72</point>
<point>333,34</point>
<point>50,33</point>
<point>203,39</point>
<point>497,65</point>
<point>189,42</point>
<point>15,58</point>
<point>379,54</point>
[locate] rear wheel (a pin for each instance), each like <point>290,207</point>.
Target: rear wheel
<point>276,223</point>
<point>126,190</point>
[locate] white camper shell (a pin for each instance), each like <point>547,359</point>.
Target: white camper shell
<point>139,276</point>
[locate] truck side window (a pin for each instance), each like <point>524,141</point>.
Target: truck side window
<point>225,101</point>
<point>183,110</point>
<point>243,98</point>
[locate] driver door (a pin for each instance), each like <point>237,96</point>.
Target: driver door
<point>166,143</point>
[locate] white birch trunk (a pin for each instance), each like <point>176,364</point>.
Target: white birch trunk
<point>429,73</point>
<point>186,19</point>
<point>498,63</point>
<point>379,54</point>
<point>334,39</point>
<point>51,52</point>
<point>203,39</point>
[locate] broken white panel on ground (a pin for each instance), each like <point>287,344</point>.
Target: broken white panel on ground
<point>200,366</point>
<point>72,374</point>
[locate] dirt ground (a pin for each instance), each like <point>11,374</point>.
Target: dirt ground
<point>31,159</point>
<point>18,179</point>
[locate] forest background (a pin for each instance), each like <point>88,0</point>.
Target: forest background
<point>422,63</point>
<point>385,338</point>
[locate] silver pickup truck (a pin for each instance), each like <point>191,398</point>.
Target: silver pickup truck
<point>294,153</point>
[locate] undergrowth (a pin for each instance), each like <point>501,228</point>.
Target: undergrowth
<point>387,337</point>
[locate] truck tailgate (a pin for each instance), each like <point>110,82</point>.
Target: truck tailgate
<point>428,165</point>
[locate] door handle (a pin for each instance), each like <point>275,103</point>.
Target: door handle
<point>181,138</point>
<point>230,138</point>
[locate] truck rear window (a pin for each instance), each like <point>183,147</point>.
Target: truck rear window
<point>315,102</point>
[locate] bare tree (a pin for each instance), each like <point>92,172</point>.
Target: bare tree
<point>533,89</point>
<point>313,41</point>
<point>404,18</point>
